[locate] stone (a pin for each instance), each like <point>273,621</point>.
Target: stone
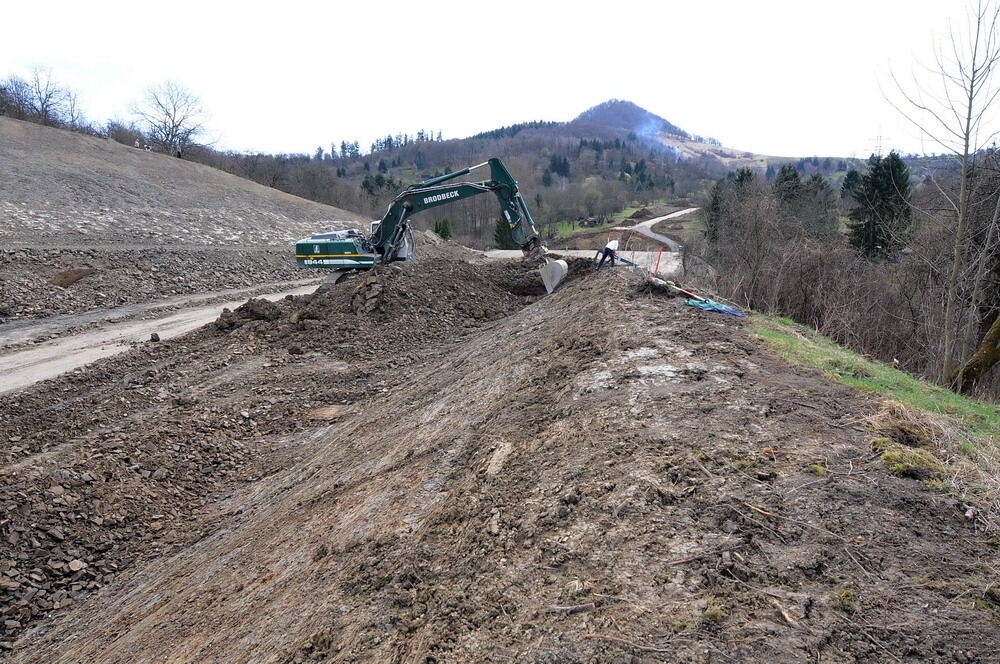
<point>493,527</point>
<point>76,565</point>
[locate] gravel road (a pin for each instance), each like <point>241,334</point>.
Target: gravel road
<point>22,367</point>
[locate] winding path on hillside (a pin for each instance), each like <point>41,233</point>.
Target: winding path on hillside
<point>646,228</point>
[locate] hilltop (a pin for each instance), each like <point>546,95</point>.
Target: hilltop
<point>621,114</point>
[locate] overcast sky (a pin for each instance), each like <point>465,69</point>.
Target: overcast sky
<point>791,78</point>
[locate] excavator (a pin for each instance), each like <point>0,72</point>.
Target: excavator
<point>391,238</point>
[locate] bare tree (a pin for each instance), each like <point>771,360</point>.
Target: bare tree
<point>952,112</point>
<point>171,116</point>
<point>48,99</point>
<point>15,97</point>
<point>73,116</point>
<point>39,97</point>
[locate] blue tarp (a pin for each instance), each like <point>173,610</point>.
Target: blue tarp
<point>712,305</point>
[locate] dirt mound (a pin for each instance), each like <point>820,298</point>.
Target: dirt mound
<point>162,431</point>
<point>642,214</point>
<point>598,475</point>
<point>448,291</point>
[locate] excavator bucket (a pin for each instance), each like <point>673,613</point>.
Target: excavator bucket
<point>553,272</point>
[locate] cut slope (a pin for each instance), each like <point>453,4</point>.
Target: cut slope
<point>596,475</point>
<point>62,187</point>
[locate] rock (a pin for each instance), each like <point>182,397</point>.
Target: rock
<point>159,474</point>
<point>227,320</point>
<point>154,337</point>
<point>571,498</point>
<point>259,309</point>
<point>493,527</point>
<point>295,350</point>
<point>76,565</point>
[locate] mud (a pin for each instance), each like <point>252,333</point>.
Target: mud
<point>454,469</point>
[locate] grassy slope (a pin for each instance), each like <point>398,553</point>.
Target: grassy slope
<point>963,432</point>
<point>804,346</point>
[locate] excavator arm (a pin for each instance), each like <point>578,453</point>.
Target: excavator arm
<point>388,235</point>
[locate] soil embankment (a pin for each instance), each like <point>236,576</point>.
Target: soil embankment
<point>434,463</point>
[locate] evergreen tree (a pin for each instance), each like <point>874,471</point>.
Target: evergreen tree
<point>743,178</point>
<point>787,185</point>
<point>713,211</point>
<point>503,236</point>
<point>546,178</point>
<point>817,206</point>
<point>852,181</point>
<point>443,228</point>
<point>881,219</point>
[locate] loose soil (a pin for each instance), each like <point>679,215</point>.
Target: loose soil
<point>435,463</point>
<point>40,282</point>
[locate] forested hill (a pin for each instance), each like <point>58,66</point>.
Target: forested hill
<point>594,165</point>
<point>618,114</point>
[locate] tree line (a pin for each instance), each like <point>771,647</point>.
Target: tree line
<point>911,271</point>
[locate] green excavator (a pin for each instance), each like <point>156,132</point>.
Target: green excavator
<point>391,238</point>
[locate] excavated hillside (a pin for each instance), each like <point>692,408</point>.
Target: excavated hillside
<point>60,187</point>
<point>89,223</point>
<point>436,463</point>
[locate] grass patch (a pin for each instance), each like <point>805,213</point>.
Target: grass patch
<point>685,228</point>
<point>714,613</point>
<point>801,345</point>
<point>568,228</point>
<point>924,431</point>
<point>845,600</point>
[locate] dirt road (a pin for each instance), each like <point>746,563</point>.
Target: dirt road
<point>668,262</point>
<point>115,333</point>
<point>646,228</point>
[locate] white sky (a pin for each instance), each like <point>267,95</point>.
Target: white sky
<point>792,78</point>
